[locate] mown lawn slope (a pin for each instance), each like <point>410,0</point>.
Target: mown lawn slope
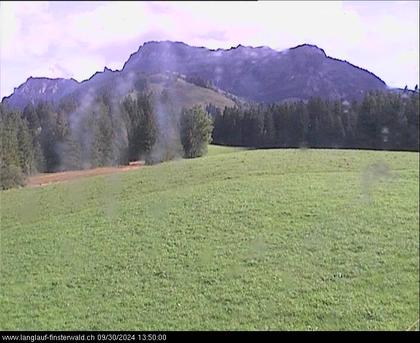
<point>240,239</point>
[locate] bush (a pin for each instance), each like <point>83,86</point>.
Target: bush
<point>196,128</point>
<point>10,176</point>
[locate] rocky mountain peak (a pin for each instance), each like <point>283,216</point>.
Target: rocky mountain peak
<point>257,74</point>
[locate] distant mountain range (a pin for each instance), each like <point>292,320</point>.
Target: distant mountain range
<point>258,74</point>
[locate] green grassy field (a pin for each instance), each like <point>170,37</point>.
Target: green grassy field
<point>240,239</point>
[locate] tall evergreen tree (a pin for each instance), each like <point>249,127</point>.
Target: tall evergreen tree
<point>141,125</point>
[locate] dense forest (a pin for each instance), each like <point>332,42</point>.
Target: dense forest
<point>382,120</point>
<point>101,131</point>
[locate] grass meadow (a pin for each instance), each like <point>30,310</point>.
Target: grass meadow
<point>282,239</point>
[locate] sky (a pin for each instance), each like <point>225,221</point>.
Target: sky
<point>77,39</point>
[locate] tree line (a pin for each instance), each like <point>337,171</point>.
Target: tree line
<point>99,130</point>
<point>381,120</point>
<point>94,132</point>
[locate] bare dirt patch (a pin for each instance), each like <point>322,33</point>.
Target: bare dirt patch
<point>47,178</point>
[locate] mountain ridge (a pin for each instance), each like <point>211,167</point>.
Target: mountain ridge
<point>259,74</point>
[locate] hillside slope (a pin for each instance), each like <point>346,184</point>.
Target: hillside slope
<point>186,94</point>
<point>238,240</point>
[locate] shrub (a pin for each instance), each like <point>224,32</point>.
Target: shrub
<point>10,176</point>
<point>196,128</point>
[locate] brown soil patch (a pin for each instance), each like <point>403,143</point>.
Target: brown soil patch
<point>47,178</point>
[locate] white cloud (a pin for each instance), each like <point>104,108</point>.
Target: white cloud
<point>78,39</point>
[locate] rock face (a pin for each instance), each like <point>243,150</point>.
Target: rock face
<point>40,88</point>
<point>252,73</point>
<point>260,74</point>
